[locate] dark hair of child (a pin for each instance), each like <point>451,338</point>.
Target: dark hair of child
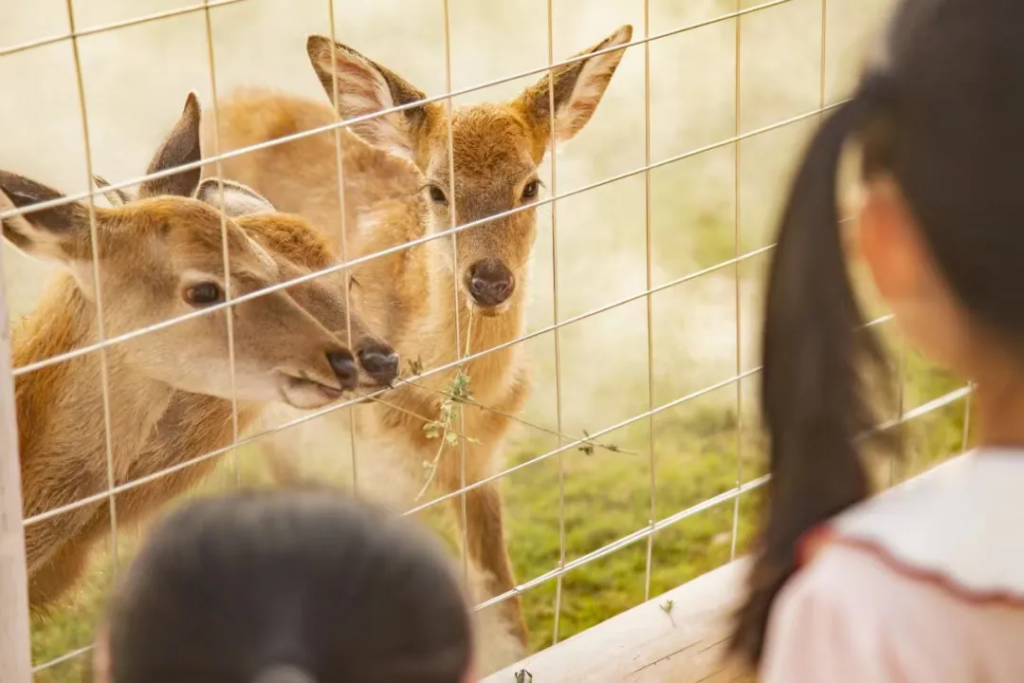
<point>288,587</point>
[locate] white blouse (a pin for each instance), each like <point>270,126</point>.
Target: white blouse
<point>923,582</point>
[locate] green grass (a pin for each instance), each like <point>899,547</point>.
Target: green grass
<point>606,497</point>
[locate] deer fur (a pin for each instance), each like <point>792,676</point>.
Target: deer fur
<point>398,189</point>
<point>170,391</point>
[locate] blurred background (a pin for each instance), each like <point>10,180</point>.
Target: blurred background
<point>704,330</point>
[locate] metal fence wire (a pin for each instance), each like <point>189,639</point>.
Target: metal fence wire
<point>15,626</point>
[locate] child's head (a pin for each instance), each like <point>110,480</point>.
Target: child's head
<point>287,588</point>
<point>938,120</point>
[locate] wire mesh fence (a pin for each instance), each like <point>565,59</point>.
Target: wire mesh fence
<point>680,468</point>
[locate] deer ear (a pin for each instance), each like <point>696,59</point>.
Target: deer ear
<point>365,87</point>
<point>115,197</point>
<point>578,88</point>
<point>58,233</point>
<point>181,146</point>
<point>234,199</point>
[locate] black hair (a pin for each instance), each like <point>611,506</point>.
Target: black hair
<point>942,114</point>
<point>288,587</point>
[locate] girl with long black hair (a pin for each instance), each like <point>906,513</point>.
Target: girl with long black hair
<point>924,582</point>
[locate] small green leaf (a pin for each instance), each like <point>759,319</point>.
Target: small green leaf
<point>459,389</point>
<point>587,448</point>
<point>452,438</point>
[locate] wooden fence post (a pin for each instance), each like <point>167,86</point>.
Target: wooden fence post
<point>15,639</point>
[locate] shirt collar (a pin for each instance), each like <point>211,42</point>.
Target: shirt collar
<point>962,520</point>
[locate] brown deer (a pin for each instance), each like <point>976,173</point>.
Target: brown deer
<point>170,391</point>
<point>398,188</point>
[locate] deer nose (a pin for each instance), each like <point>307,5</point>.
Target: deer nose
<point>491,283</point>
<point>380,363</point>
<point>344,366</point>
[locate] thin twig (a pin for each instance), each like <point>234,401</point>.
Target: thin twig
<point>411,413</point>
<point>586,441</point>
<point>457,391</point>
<point>432,468</point>
<point>432,464</point>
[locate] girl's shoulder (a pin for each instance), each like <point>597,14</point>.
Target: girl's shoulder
<point>850,617</point>
<point>957,527</point>
<point>922,582</point>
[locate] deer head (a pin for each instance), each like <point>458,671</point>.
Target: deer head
<point>161,256</point>
<point>297,247</point>
<point>497,149</point>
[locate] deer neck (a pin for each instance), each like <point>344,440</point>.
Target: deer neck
<point>61,417</point>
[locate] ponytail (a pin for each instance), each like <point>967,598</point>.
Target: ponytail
<point>813,396</point>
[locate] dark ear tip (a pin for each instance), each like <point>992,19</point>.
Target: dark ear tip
<point>192,108</point>
<point>321,47</point>
<point>316,43</point>
<point>24,192</point>
<point>6,178</point>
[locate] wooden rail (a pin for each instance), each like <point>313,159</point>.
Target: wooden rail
<point>648,644</point>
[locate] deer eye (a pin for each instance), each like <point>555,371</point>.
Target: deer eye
<point>531,190</point>
<point>204,294</point>
<point>437,195</point>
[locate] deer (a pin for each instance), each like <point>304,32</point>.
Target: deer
<point>471,286</point>
<point>171,394</point>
